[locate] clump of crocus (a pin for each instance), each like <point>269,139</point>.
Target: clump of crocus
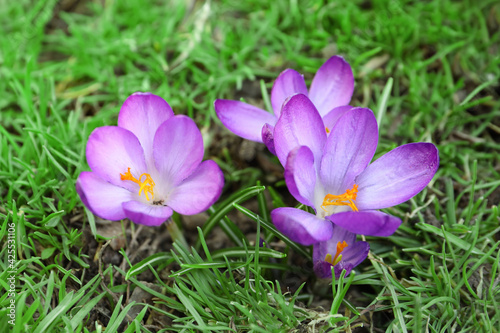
<point>331,90</point>
<point>333,175</point>
<point>342,251</point>
<point>148,166</point>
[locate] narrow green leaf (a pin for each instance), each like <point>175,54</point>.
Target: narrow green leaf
<point>383,100</point>
<point>269,227</point>
<point>241,252</point>
<point>226,206</point>
<point>116,321</point>
<point>80,315</point>
<point>189,306</point>
<point>46,253</point>
<point>161,258</point>
<point>452,238</point>
<point>63,307</point>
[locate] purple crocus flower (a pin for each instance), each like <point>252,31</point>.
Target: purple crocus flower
<point>148,166</point>
<point>331,90</point>
<point>342,251</point>
<point>333,173</point>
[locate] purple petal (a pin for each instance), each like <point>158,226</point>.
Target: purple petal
<point>299,125</point>
<point>142,114</point>
<point>349,149</point>
<point>332,85</point>
<point>199,191</point>
<point>355,253</point>
<point>102,198</point>
<point>369,223</point>
<point>111,150</point>
<point>397,176</point>
<point>268,137</point>
<point>352,255</point>
<point>146,214</point>
<point>288,83</point>
<point>300,226</point>
<point>341,266</point>
<point>331,118</point>
<point>323,269</point>
<point>320,250</point>
<point>81,189</point>
<point>300,175</point>
<point>243,119</point>
<point>178,149</point>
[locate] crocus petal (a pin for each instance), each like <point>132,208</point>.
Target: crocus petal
<point>352,255</point>
<point>300,226</point>
<point>349,148</point>
<point>369,223</point>
<point>299,125</point>
<point>178,149</point>
<point>355,253</point>
<point>142,114</point>
<point>339,234</point>
<point>332,85</point>
<point>243,119</point>
<point>323,269</point>
<point>300,175</point>
<point>288,83</point>
<point>102,198</point>
<point>341,266</point>
<point>111,150</point>
<point>199,191</point>
<point>331,118</point>
<point>268,137</point>
<point>146,214</point>
<point>397,176</point>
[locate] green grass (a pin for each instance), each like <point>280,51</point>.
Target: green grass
<point>428,69</point>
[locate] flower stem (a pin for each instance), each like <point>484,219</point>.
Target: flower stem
<point>176,234</point>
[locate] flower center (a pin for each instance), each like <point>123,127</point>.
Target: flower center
<point>346,199</point>
<point>145,186</point>
<point>327,130</point>
<point>338,255</point>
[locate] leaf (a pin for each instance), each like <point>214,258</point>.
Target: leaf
<point>226,206</point>
<point>269,227</point>
<point>155,259</point>
<point>47,253</point>
<point>450,237</point>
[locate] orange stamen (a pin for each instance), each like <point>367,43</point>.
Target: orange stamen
<point>145,186</point>
<point>346,199</point>
<point>327,130</point>
<point>338,256</point>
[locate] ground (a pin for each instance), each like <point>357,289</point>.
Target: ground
<point>429,71</point>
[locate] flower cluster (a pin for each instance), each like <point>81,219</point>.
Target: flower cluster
<point>326,147</point>
<point>331,90</point>
<point>150,165</point>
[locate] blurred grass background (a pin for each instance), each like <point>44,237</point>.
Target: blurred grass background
<point>67,66</point>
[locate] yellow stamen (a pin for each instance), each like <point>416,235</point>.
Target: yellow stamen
<point>336,259</point>
<point>327,130</point>
<point>145,186</point>
<point>328,258</point>
<point>346,199</point>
